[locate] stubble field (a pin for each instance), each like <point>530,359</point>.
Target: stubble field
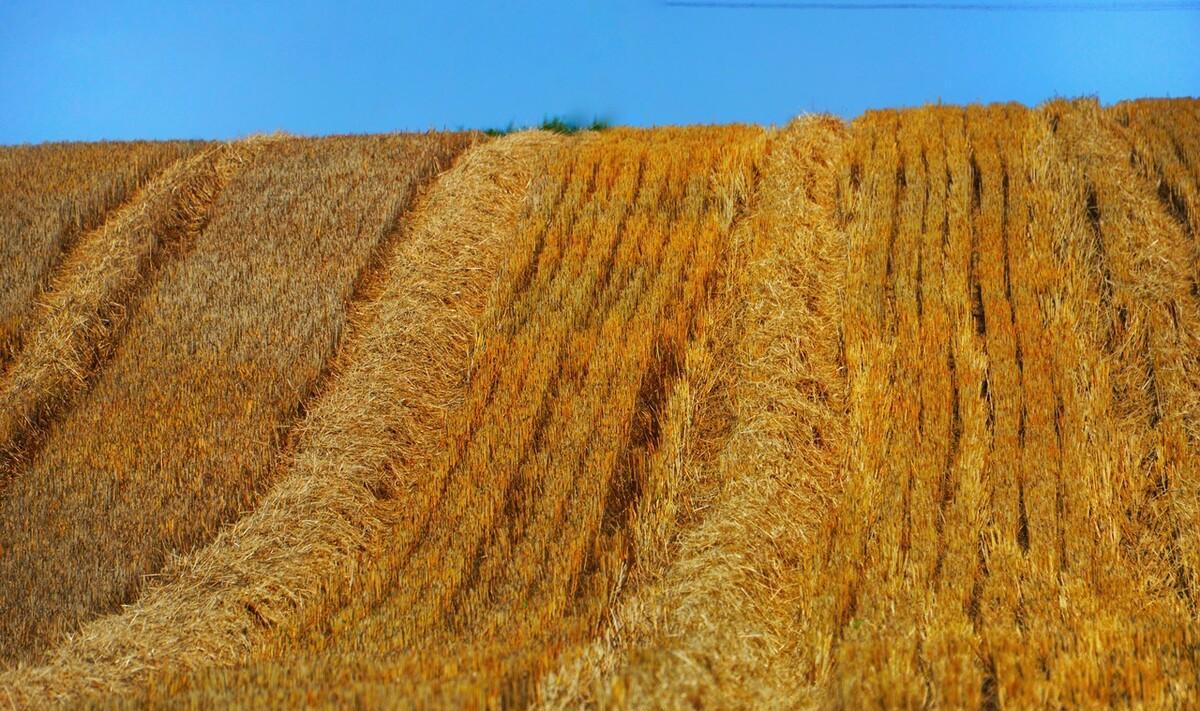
<point>896,412</point>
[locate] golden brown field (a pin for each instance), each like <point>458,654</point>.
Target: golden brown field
<point>53,194</point>
<point>901,412</point>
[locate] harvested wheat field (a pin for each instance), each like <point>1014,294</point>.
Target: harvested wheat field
<point>899,412</point>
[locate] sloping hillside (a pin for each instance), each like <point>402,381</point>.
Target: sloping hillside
<point>900,412</point>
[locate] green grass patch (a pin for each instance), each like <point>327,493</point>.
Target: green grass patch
<point>557,124</point>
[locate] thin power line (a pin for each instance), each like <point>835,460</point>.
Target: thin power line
<point>958,6</point>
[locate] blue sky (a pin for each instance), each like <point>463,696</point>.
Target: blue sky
<point>86,71</point>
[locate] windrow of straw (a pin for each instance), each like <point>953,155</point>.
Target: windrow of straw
<point>54,193</point>
<point>179,433</point>
<point>1164,140</point>
<point>76,324</point>
<point>510,545</point>
<point>380,416</point>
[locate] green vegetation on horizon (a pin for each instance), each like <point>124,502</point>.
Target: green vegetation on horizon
<point>556,124</point>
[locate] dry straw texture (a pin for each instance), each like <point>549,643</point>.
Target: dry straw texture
<point>900,413</point>
<point>717,606</point>
<point>53,194</point>
<point>382,404</point>
<point>548,404</point>
<point>72,336</point>
<point>234,284</point>
<point>995,468</point>
<point>75,326</point>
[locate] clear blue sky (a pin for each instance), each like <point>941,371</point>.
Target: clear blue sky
<point>92,70</point>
